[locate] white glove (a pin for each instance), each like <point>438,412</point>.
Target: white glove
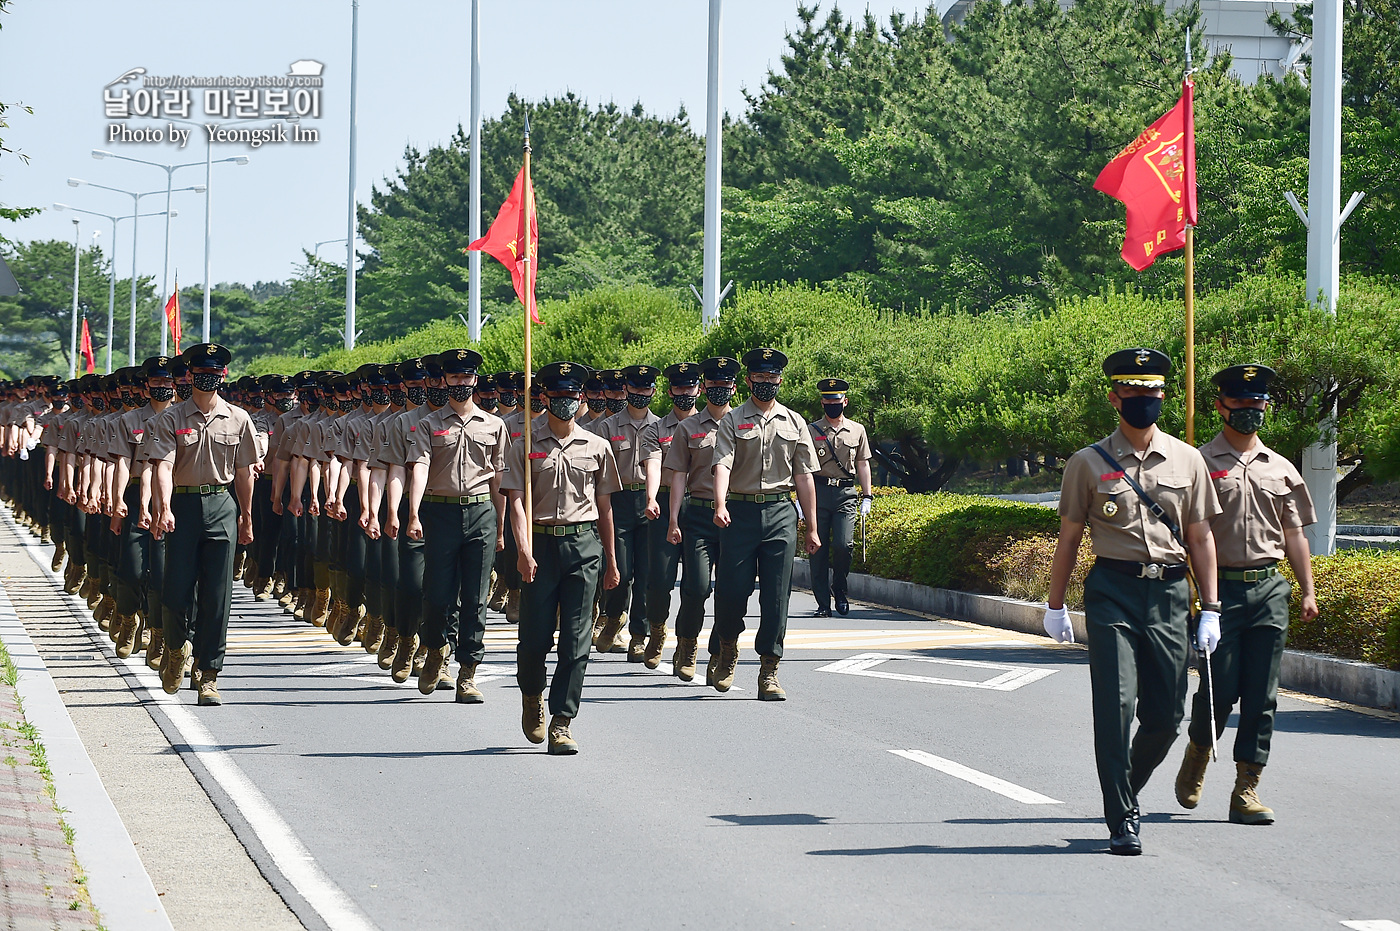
<point>1208,632</point>
<point>799,510</point>
<point>1057,625</point>
<point>865,507</point>
<point>24,453</point>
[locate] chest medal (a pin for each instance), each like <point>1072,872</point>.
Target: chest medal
<point>1110,508</point>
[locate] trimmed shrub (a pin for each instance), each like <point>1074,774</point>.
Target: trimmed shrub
<point>1358,602</point>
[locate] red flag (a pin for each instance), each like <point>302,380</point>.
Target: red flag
<point>172,317</point>
<point>502,241</point>
<point>1155,178</point>
<point>86,348</point>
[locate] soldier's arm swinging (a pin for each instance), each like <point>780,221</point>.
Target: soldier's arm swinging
<point>722,496</point>
<point>1062,566</point>
<point>498,501</point>
<point>652,468</point>
<point>391,509</point>
<point>279,483</point>
<point>807,496</point>
<point>524,541</point>
<point>1295,547</point>
<point>1201,544</point>
<point>378,479</point>
<point>678,481</point>
<point>611,577</point>
<point>164,521</point>
<point>417,482</point>
<point>299,470</point>
<point>243,486</point>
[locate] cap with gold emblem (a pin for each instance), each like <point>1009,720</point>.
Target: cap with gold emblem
<point>207,356</point>
<point>1247,382</point>
<point>158,367</point>
<point>613,379</point>
<point>720,368</point>
<point>765,360</point>
<point>562,376</point>
<point>833,389</point>
<point>510,381</point>
<point>1146,368</point>
<point>369,374</point>
<point>412,370</point>
<point>641,376</point>
<point>459,361</point>
<point>683,374</point>
<point>274,384</point>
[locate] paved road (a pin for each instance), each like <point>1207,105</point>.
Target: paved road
<point>886,792</point>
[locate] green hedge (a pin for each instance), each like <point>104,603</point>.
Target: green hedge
<point>1358,602</point>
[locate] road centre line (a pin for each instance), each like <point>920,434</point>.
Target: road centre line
<point>1010,679</point>
<point>1373,924</point>
<point>977,778</point>
<point>291,857</point>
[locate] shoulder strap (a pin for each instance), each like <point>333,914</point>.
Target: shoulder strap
<point>1153,507</point>
<point>835,459</point>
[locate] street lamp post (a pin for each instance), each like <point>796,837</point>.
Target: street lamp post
<point>135,224</point>
<point>350,209</point>
<point>112,284</point>
<point>73,339</point>
<point>474,196</point>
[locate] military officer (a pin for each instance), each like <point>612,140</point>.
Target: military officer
<point>454,505</point>
<point>844,452</point>
<point>683,387</point>
<point>763,451</point>
<point>1264,508</point>
<point>691,515</point>
<point>564,544</point>
<point>1135,597</point>
<point>200,447</point>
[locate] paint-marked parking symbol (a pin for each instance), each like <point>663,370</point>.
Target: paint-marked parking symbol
<point>1006,679</point>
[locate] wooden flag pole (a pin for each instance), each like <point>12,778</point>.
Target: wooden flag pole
<point>1190,336</point>
<point>527,207</point>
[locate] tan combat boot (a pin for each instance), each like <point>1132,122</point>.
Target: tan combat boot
<point>279,585</point>
<point>532,717</point>
<point>388,646</point>
<point>240,560</point>
<point>262,588</point>
<point>598,622</point>
<point>467,692</point>
<point>683,661</point>
<point>155,651</point>
<point>320,611</point>
<point>419,658</point>
<point>768,687</point>
<point>636,649</point>
<point>196,674</point>
<point>432,668</point>
<point>402,665</point>
<point>172,670</point>
<point>208,688</point>
<point>710,668</point>
<point>497,600</point>
<point>305,597</point>
<point>1245,807</point>
<point>561,742</point>
<point>1191,778</point>
<point>655,644</point>
<point>346,623</point>
<point>126,628</point>
<point>512,606</point>
<point>85,590</point>
<point>57,558</point>
<point>374,633</point>
<point>74,577</point>
<point>728,663</point>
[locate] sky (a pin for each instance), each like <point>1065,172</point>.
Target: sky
<point>57,56</point>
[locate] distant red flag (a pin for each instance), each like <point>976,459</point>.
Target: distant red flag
<point>172,317</point>
<point>87,348</point>
<point>1155,178</point>
<point>502,242</point>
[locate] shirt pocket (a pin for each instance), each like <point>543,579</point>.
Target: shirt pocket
<point>1227,490</point>
<point>1274,495</point>
<point>223,448</point>
<point>579,479</point>
<point>1115,502</point>
<point>188,436</point>
<point>481,448</point>
<point>1173,492</point>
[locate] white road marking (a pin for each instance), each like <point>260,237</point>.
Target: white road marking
<point>1010,678</point>
<point>1373,924</point>
<point>290,855</point>
<point>967,774</point>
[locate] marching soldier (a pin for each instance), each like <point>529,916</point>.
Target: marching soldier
<point>1264,508</point>
<point>572,478</point>
<point>277,403</point>
<point>1135,597</point>
<point>763,451</point>
<point>595,402</point>
<point>199,448</point>
<point>639,471</point>
<point>844,453</point>
<point>454,506</point>
<point>691,515</point>
<point>683,381</point>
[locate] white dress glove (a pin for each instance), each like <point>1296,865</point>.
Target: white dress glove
<point>1057,625</point>
<point>1208,632</point>
<point>799,510</point>
<point>865,507</point>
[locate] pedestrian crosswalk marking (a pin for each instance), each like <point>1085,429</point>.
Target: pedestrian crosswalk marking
<point>977,778</point>
<point>1009,679</point>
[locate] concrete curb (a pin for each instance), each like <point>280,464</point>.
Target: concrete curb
<point>117,879</point>
<point>1312,673</point>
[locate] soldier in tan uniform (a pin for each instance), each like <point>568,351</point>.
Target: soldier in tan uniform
<point>200,447</point>
<point>763,452</point>
<point>634,506</point>
<point>1135,597</point>
<point>564,547</point>
<point>1265,507</point>
<point>844,452</point>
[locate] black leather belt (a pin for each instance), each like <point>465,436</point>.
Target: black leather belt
<point>839,482</point>
<point>1163,572</point>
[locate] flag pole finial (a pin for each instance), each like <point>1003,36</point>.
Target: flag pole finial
<point>527,129</point>
<point>1188,51</point>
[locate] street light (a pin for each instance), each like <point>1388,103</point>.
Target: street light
<point>73,340</point>
<point>135,209</point>
<point>112,283</point>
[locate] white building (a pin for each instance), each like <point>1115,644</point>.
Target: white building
<point>1239,26</point>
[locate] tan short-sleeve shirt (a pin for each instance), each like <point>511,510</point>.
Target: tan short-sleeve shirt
<point>1261,495</point>
<point>693,452</point>
<point>625,434</point>
<point>764,451</point>
<point>565,475</point>
<point>289,426</point>
<point>131,429</point>
<point>839,447</point>
<point>463,454</point>
<point>661,435</point>
<point>1171,472</point>
<point>204,450</point>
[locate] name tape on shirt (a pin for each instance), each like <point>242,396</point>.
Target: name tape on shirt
<point>744,426</point>
<point>619,439</point>
<point>667,439</point>
<point>1110,476</point>
<point>819,438</point>
<point>1221,474</point>
<point>698,436</point>
<point>184,431</point>
<point>441,432</point>
<point>539,455</point>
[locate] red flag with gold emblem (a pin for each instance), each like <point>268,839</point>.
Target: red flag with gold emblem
<point>86,349</point>
<point>1155,178</point>
<point>503,241</point>
<point>172,317</point>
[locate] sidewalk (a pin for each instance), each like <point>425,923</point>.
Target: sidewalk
<point>41,884</point>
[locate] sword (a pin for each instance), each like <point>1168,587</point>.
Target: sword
<point>1210,700</point>
<point>862,538</point>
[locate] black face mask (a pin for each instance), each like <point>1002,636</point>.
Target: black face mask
<point>597,405</point>
<point>256,404</point>
<point>537,405</point>
<point>126,399</point>
<point>378,396</point>
<point>282,404</point>
<point>185,390</point>
<point>639,401</point>
<point>509,399</point>
<point>765,391</point>
<point>418,395</point>
<point>349,405</point>
<point>162,394</point>
<point>312,403</point>
<point>459,393</point>
<point>98,404</point>
<point>398,397</point>
<point>1141,411</point>
<point>615,404</point>
<point>684,402</point>
<point>833,410</point>
<point>207,381</point>
<point>719,395</point>
<point>77,404</point>
<point>564,408</point>
<point>487,404</point>
<point>1245,420</point>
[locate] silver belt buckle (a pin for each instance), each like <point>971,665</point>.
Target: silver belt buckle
<point>1150,570</point>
